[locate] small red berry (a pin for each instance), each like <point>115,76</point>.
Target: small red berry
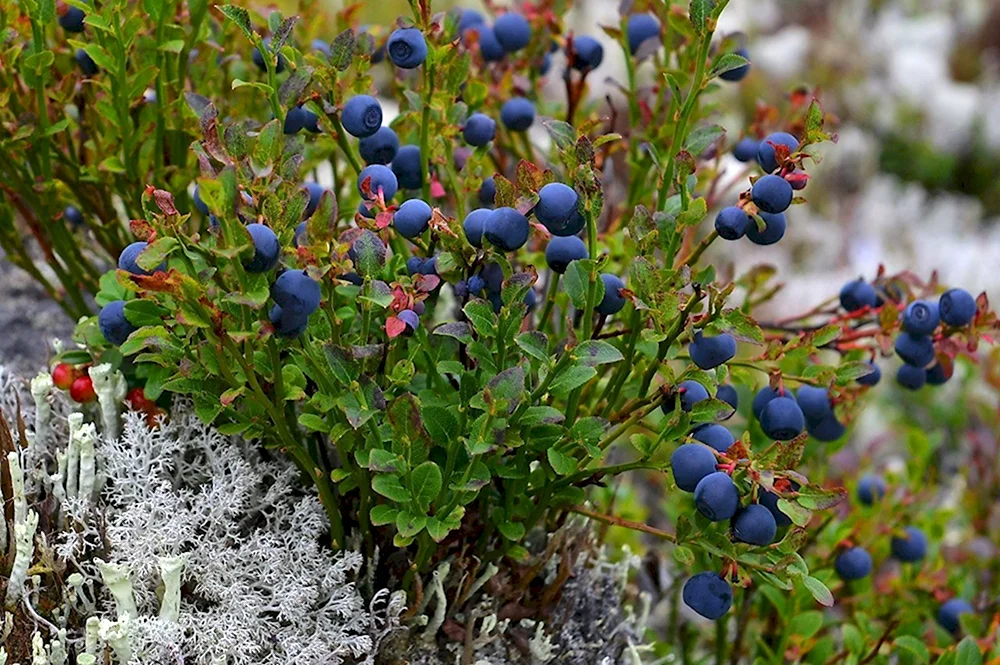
<point>82,390</point>
<point>63,375</point>
<point>137,399</point>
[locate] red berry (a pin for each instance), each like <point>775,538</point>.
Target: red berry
<point>63,376</point>
<point>137,399</point>
<point>82,390</point>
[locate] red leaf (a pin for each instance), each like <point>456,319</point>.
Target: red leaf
<point>165,201</point>
<point>437,189</point>
<point>394,327</point>
<point>382,220</point>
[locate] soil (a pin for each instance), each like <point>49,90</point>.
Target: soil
<point>29,320</point>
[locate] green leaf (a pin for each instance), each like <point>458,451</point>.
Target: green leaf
<point>806,624</point>
<point>825,335</point>
<point>577,282</point>
<point>699,12</point>
<point>425,482</point>
<point>852,370</point>
<point>153,255</point>
<point>914,646</point>
<point>39,62</point>
<point>481,315</point>
<point>507,385</point>
<point>460,330</point>
<point>798,514</point>
<point>382,515</point>
<point>313,423</point>
<point>683,555</point>
<point>536,415</point>
<point>144,313</point>
<point>342,50</point>
<point>258,85</point>
<point>239,16</point>
<point>727,62</point>
<point>511,530</point>
<point>571,378</point>
<point>561,463</point>
<point>440,423</point>
<point>389,486</point>
<point>596,352</point>
<point>694,214</point>
<point>816,588</point>
<point>409,524</point>
<point>561,132</point>
<point>968,652</point>
<point>267,149</point>
<point>701,138</point>
<point>535,344</point>
<point>384,461</point>
<point>820,498</point>
<point>743,326</point>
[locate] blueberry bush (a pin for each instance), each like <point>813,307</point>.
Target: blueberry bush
<point>496,309</point>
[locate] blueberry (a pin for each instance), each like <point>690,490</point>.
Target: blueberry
<point>258,59</point>
<point>286,325</point>
<point>506,229</point>
<point>315,191</point>
<point>782,419</point>
<point>473,225</point>
<point>495,300</point>
<point>770,501</point>
<point>475,285</point>
<point>72,20</point>
<point>86,63</point>
<point>562,250</point>
<point>295,120</point>
<point>487,192</point>
<point>310,121</point>
<point>774,229</point>
<point>546,65</point>
<point>296,292</point>
<point>710,352</point>
<point>410,318</point>
<point>691,392</point>
<point>714,435</point>
<point>640,28</point>
<point>760,400</point>
<point>378,177</point>
<point>857,294</point>
<point>127,260</point>
<point>199,205</point>
<point>937,374</point>
<point>517,114</point>
<point>728,394</point>
<point>948,613</point>
<point>910,377</point>
<point>871,488</point>
<point>613,301</point>
<point>852,564</point>
<point>408,167</point>
<point>492,274</point>
<point>266,248</point>
<point>407,48</point>
<point>755,525</point>
<point>772,193</point>
<point>910,548</point>
<point>479,129</point>
<point>73,215</point>
<point>428,266</point>
<point>716,497</point>
<point>572,227</point>
<point>301,239</point>
<point>321,46</point>
<point>362,116</point>
<point>766,156</point>
<point>587,53</point>
<point>826,429</point>
<point>468,19</point>
<point>113,324</point>
<point>921,317</point>
<point>413,265</point>
<point>873,377</point>
<point>957,307</point>
<point>489,46</point>
<point>412,218</point>
<point>739,73</point>
<point>365,211</point>
<point>512,31</point>
<point>530,300</point>
<point>690,463</point>
<point>708,594</point>
<point>745,150</point>
<point>380,147</point>
<point>814,402</point>
<point>556,204</point>
<point>915,350</point>
<point>353,278</point>
<point>798,179</point>
<point>732,223</point>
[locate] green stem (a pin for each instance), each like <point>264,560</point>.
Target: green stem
<point>588,311</point>
<point>344,145</point>
<point>666,343</point>
<point>425,122</point>
<point>550,300</point>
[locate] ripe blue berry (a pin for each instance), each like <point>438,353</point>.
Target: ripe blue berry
<point>366,211</point>
<point>857,294</point>
<point>772,193</point>
<point>86,63</point>
<point>911,377</point>
<point>826,429</point>
<point>640,28</point>
<point>266,249</point>
<point>492,275</point>
<point>479,129</point>
<point>315,194</point>
<point>814,402</point>
<point>938,375</point>
<point>957,307</point>
<point>301,239</point>
<point>506,229</point>
<point>714,435</point>
<point>379,177</point>
<point>487,192</point>
<point>408,167</point>
<point>782,419</point>
<point>690,393</point>
<point>286,325</point>
<point>412,218</point>
<point>562,250</point>
<point>770,501</point>
<point>296,292</point>
<point>489,46</point>
<point>745,150</point>
<point>760,400</point>
<point>410,318</point>
<point>766,156</point>
<point>127,260</point>
<point>73,216</point>
<point>710,352</point>
<point>517,114</point>
<point>295,120</point>
<point>909,548</point>
<point>915,350</point>
<point>871,488</point>
<point>407,48</point>
<point>321,46</point>
<point>613,301</point>
<point>468,19</point>
<point>921,317</point>
<point>587,53</point>
<point>72,20</point>
<point>716,497</point>
<point>739,73</point>
<point>473,226</point>
<point>950,610</point>
<point>556,204</point>
<point>872,378</point>
<point>774,229</point>
<point>380,147</point>
<point>708,594</point>
<point>755,525</point>
<point>728,394</point>
<point>199,204</point>
<point>413,265</point>
<point>113,324</point>
<point>731,223</point>
<point>362,116</point>
<point>690,463</point>
<point>854,563</point>
<point>512,31</point>
<point>475,285</point>
<point>258,59</point>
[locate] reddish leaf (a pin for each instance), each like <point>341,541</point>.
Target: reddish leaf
<point>394,327</point>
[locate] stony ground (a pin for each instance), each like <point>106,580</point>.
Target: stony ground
<point>29,320</point>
